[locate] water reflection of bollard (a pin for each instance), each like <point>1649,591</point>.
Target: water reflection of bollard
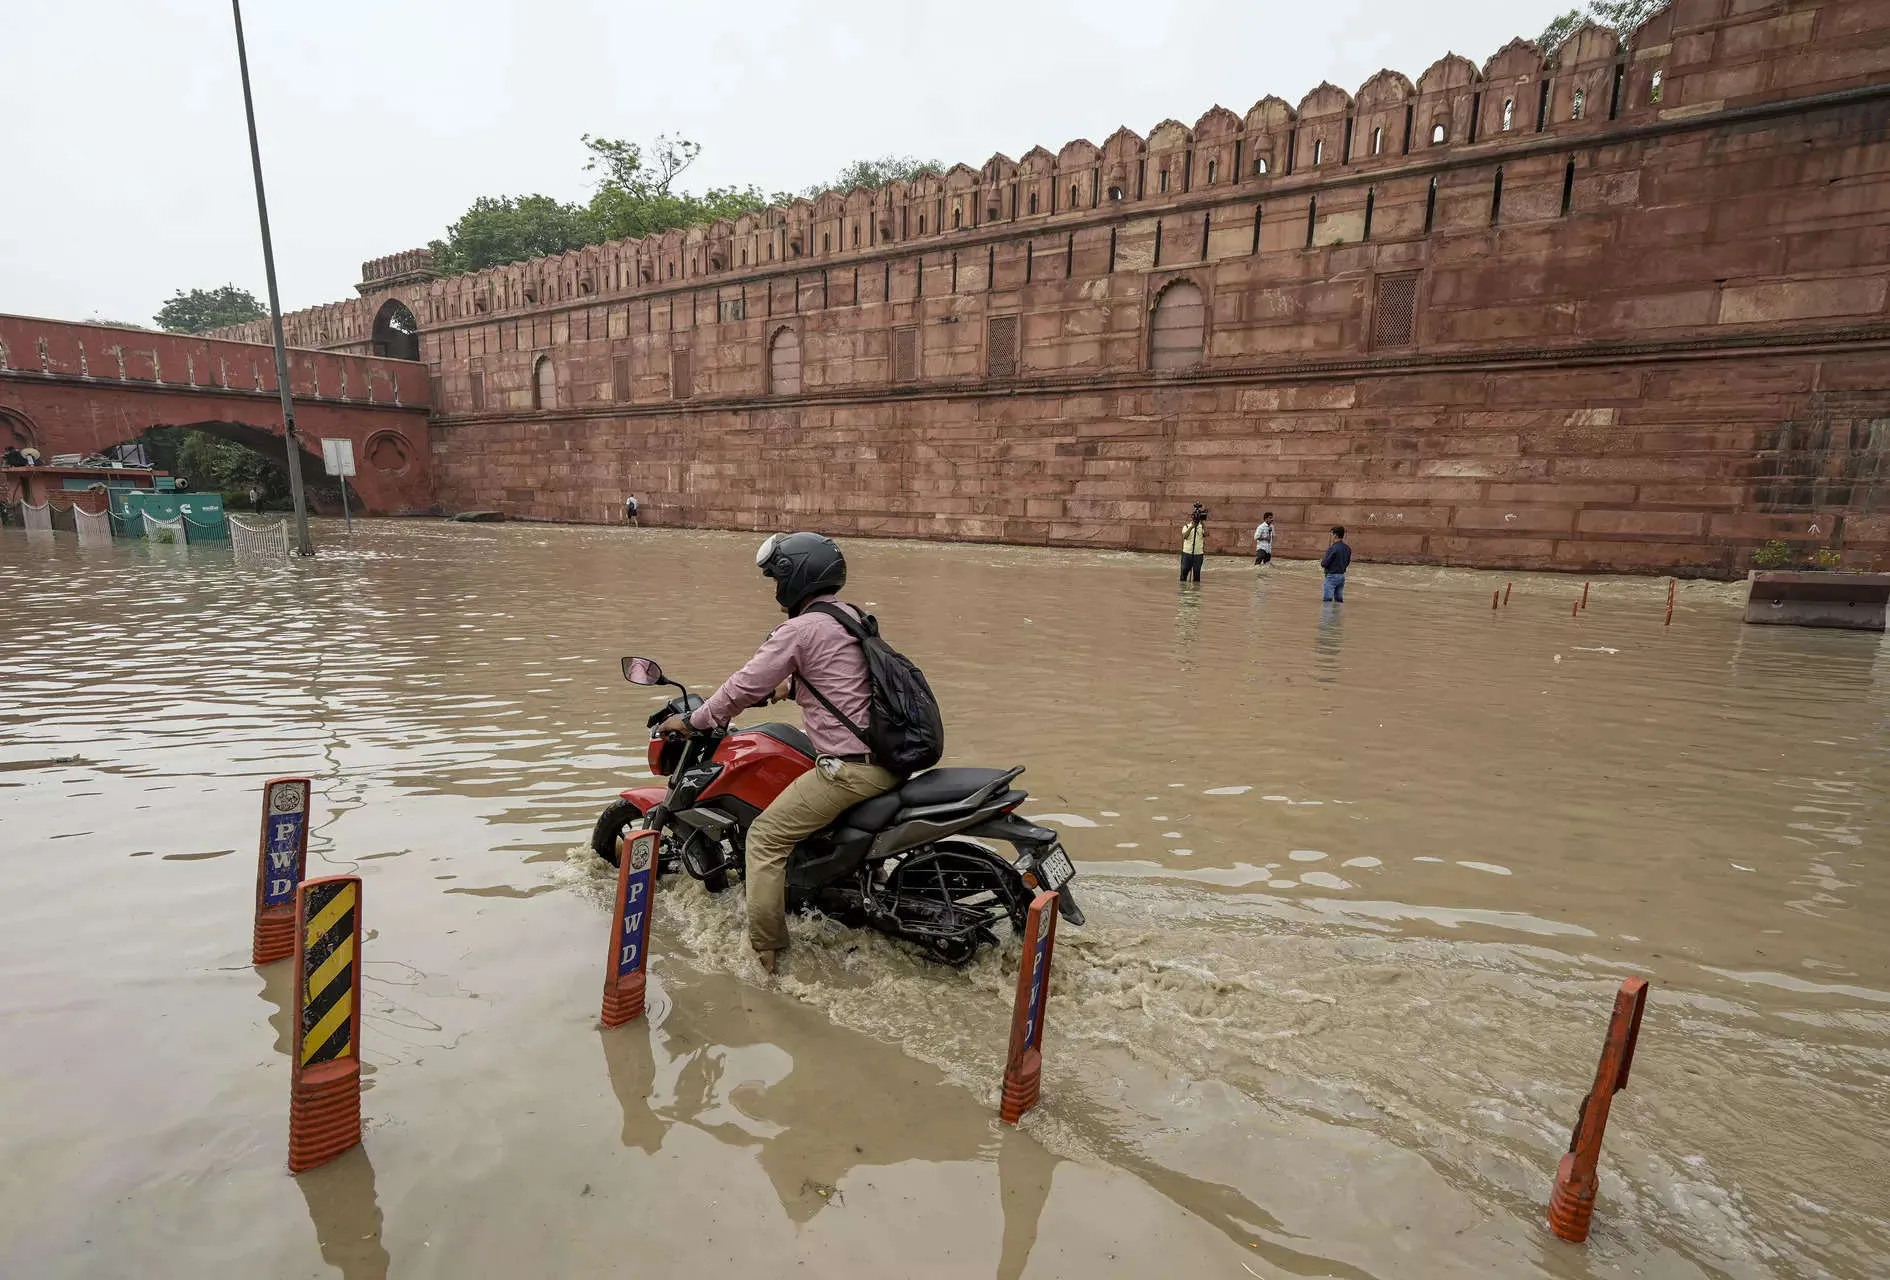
<point>1584,595</point>
<point>1575,609</point>
<point>281,858</point>
<point>1023,1069</point>
<point>1506,587</point>
<point>1572,1201</point>
<point>1673,584</point>
<point>325,1071</point>
<point>624,977</point>
<point>1494,595</point>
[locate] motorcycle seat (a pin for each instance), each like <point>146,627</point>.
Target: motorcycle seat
<point>942,786</point>
<point>934,787</point>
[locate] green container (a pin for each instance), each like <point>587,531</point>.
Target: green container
<point>202,514</point>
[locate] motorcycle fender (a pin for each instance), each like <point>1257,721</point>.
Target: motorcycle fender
<point>645,798</point>
<point>1008,826</point>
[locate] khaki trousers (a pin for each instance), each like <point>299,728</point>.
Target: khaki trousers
<point>809,803</point>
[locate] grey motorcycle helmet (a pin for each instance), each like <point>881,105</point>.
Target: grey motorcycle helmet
<point>803,565</point>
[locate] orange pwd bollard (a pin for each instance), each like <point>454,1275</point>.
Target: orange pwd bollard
<point>325,1062</point>
<point>281,858</point>
<point>1023,1068</point>
<point>1572,1200</point>
<point>624,976</point>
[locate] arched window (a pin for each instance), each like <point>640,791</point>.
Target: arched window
<point>1175,328</point>
<point>1378,139</point>
<point>1509,113</point>
<point>1075,199</point>
<point>1210,173</point>
<point>784,363</point>
<point>1318,150</point>
<point>1164,180</point>
<point>1033,202</point>
<point>958,217</point>
<point>395,332</point>
<point>1260,166</point>
<point>1438,133</point>
<point>1581,98</point>
<point>544,384</point>
<point>826,242</point>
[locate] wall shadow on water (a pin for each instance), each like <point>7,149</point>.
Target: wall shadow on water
<point>278,991</point>
<point>1025,1170</point>
<point>347,1215</point>
<point>631,1064</point>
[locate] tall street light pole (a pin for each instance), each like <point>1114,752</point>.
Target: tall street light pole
<point>293,441</point>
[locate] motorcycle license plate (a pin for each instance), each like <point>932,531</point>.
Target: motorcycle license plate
<point>1055,870</point>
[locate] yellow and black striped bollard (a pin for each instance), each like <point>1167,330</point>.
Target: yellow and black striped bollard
<point>325,1081</point>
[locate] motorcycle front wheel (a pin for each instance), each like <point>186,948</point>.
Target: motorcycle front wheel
<point>619,820</point>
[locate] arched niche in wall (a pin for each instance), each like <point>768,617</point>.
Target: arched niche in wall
<point>1177,327</point>
<point>544,384</point>
<point>784,362</point>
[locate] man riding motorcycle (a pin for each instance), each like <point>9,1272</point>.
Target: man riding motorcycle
<point>810,657</point>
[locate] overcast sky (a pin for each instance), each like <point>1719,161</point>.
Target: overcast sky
<point>125,171</point>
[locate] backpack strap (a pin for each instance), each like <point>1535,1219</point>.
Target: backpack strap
<point>838,714</point>
<point>859,632</point>
<point>858,627</point>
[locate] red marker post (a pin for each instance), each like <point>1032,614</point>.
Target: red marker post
<point>325,1076</point>
<point>624,977</point>
<point>1572,1201</point>
<point>281,859</point>
<point>1023,1070</point>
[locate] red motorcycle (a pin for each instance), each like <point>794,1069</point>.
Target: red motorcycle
<point>909,863</point>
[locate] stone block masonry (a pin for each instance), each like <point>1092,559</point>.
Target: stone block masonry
<point>1616,305</point>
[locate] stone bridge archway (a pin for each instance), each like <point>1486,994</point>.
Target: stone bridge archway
<point>83,388</point>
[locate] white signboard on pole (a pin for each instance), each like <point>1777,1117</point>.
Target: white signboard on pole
<point>338,457</point>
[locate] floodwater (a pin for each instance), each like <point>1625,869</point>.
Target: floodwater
<point>1361,883</point>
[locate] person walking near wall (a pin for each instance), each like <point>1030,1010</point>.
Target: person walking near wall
<point>1263,540</point>
<point>1194,543</point>
<point>1337,560</point>
<point>630,511</point>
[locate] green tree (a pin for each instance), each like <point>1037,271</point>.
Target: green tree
<point>877,173</point>
<point>1623,16</point>
<point>637,194</point>
<point>200,310</point>
<point>500,229</point>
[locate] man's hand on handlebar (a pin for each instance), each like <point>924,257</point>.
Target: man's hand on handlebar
<point>676,724</point>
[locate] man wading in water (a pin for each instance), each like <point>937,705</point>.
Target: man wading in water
<point>812,659</point>
<point>1194,543</point>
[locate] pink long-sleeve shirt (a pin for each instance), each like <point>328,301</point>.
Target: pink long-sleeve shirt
<point>811,647</point>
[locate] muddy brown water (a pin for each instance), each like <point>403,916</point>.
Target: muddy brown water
<point>1361,881</point>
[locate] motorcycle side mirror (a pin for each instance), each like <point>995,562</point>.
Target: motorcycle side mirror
<point>643,671</point>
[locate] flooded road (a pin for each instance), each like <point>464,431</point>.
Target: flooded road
<point>1361,882</point>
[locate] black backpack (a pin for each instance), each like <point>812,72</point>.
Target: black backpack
<point>905,732</point>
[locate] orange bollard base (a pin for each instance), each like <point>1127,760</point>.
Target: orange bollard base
<point>275,935</point>
<point>324,1113</point>
<point>623,1000</point>
<point>1570,1207</point>
<point>1023,1085</point>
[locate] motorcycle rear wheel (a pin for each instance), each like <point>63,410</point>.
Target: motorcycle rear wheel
<point>952,894</point>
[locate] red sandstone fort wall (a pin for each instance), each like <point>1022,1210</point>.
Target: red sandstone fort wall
<point>1627,310</point>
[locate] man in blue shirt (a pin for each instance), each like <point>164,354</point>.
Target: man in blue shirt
<point>1337,559</point>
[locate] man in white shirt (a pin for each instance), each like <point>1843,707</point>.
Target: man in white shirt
<point>1263,540</point>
